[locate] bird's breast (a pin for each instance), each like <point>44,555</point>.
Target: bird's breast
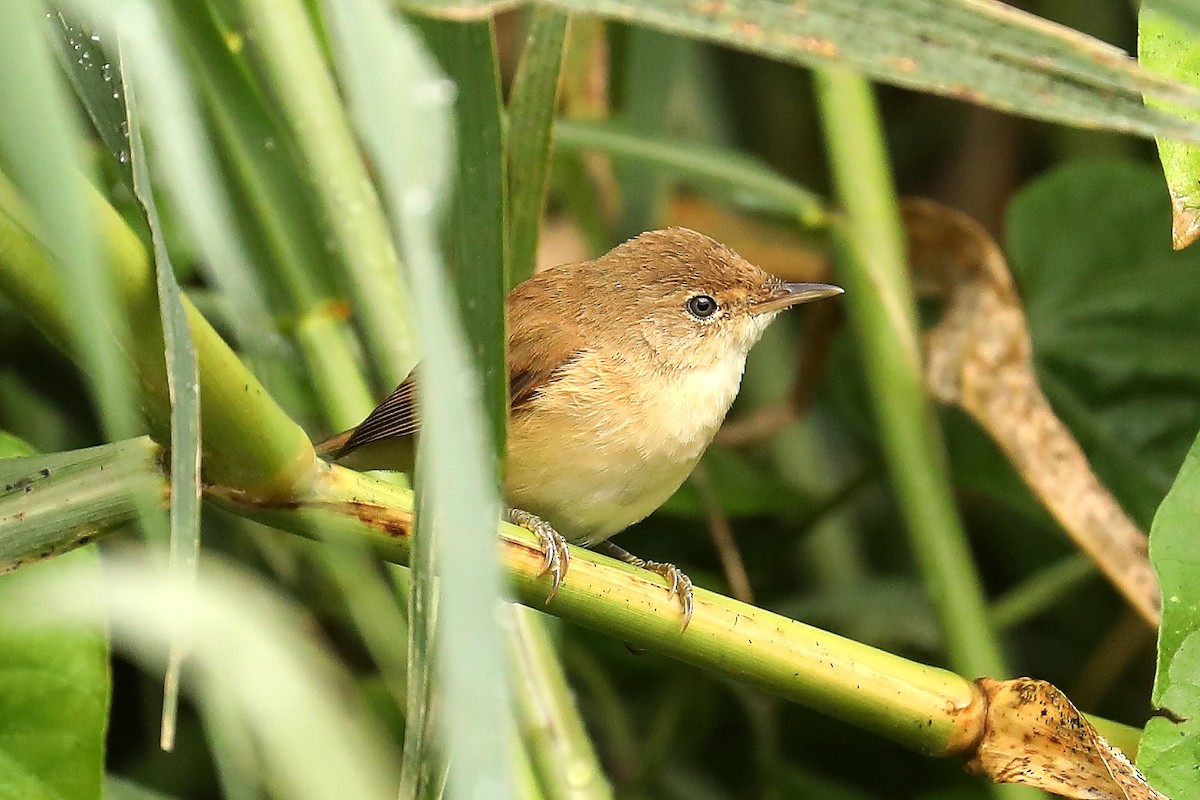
<point>605,444</point>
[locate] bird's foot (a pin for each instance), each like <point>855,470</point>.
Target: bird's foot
<point>558,558</point>
<point>680,584</point>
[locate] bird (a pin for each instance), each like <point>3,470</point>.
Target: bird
<point>620,371</point>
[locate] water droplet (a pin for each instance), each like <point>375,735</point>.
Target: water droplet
<point>116,95</point>
<point>435,93</point>
<point>95,37</point>
<point>123,156</point>
<point>269,143</point>
<point>418,201</point>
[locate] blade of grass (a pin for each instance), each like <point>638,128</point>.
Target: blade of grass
<point>925,708</point>
<point>746,179</point>
<point>391,83</point>
<point>184,156</point>
<point>183,391</point>
<point>253,652</point>
<point>530,146</point>
<point>282,37</point>
<point>648,79</point>
<point>475,223</point>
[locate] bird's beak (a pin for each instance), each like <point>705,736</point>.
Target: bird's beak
<point>790,294</point>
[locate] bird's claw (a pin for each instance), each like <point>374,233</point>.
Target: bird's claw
<point>557,556</point>
<point>680,586</point>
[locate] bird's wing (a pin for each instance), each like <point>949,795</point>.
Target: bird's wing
<point>540,345</point>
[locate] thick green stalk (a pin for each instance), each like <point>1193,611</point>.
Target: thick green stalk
<point>872,266</point>
<point>928,709</point>
<point>283,39</point>
<point>248,441</point>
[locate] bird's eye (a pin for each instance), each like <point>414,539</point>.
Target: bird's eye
<point>701,306</point>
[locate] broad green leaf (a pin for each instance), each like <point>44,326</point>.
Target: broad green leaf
<point>1169,46</point>
<point>1170,746</point>
<point>54,684</point>
<point>1112,316</point>
<point>54,696</point>
<point>983,52</point>
<point>530,146</point>
<point>1182,10</point>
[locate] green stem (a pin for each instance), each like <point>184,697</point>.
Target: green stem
<point>284,40</point>
<point>1041,590</point>
<point>565,760</point>
<point>235,409</point>
<point>872,262</point>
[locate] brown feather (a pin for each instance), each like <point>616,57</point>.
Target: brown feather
<point>537,352</point>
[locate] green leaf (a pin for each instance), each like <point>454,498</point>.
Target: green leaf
<point>295,75</point>
<point>54,696</point>
<point>1168,45</point>
<point>1170,746</point>
<point>986,53</point>
<point>530,147</point>
<point>1112,315</point>
<point>390,82</point>
<point>744,179</point>
<point>253,654</point>
<point>475,221</point>
<point>183,389</point>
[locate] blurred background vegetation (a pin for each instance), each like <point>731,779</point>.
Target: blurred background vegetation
<point>794,507</point>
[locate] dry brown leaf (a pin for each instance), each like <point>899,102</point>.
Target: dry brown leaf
<point>979,357</point>
<point>1185,222</point>
<point>1035,736</point>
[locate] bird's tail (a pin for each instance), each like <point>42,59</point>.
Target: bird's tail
<point>331,449</point>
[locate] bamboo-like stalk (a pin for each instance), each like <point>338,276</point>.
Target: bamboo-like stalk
<point>928,709</point>
<point>234,406</point>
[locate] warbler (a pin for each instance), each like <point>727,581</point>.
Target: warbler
<point>620,371</point>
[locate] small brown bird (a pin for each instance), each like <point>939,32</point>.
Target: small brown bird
<point>620,369</point>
